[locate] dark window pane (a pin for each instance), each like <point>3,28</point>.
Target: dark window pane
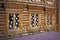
<point>50,23</point>
<point>50,19</point>
<point>36,19</point>
<point>32,20</point>
<point>16,20</point>
<point>10,21</point>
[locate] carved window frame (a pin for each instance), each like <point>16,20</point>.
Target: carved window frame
<point>14,21</point>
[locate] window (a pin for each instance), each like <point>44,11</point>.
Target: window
<point>34,20</point>
<point>13,21</point>
<point>48,19</point>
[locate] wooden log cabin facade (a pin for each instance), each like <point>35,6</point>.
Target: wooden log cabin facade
<point>20,17</point>
<point>59,13</point>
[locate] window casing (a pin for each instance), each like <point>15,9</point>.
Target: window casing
<point>13,21</point>
<point>48,19</point>
<point>34,20</point>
